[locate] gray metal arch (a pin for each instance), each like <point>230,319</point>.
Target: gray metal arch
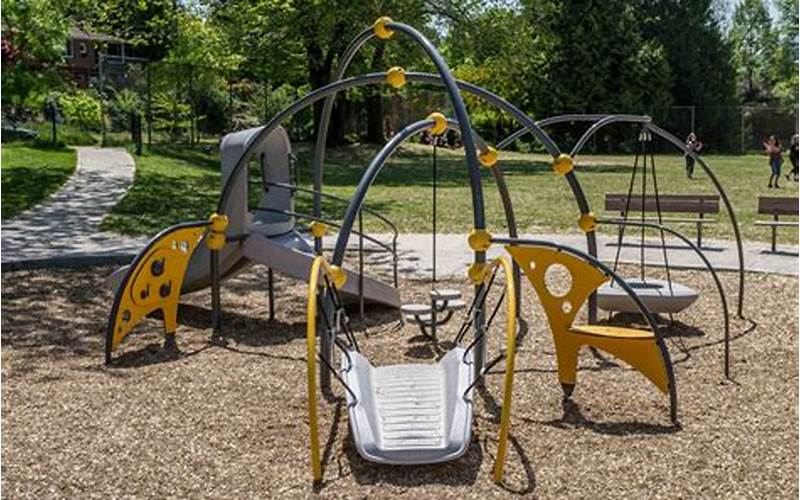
<point>605,120</point>
<point>372,171</point>
<point>722,297</point>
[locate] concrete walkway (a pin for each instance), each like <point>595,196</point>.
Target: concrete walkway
<point>453,254</point>
<point>65,228</point>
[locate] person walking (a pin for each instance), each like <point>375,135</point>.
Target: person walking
<point>693,145</point>
<point>793,151</point>
<point>772,147</point>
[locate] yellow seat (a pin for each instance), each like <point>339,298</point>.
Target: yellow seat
<point>641,349</point>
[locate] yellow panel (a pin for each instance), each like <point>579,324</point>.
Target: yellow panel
<point>612,331</point>
<point>156,283</point>
<point>636,347</point>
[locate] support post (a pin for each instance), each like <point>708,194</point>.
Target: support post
<point>326,343</point>
<point>271,292</point>
<point>700,232</point>
<point>216,308</point>
<point>361,263</point>
<point>774,234</point>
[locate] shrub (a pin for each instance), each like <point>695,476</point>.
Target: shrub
<point>82,109</point>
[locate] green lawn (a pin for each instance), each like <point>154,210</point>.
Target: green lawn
<point>178,184</point>
<point>31,174</point>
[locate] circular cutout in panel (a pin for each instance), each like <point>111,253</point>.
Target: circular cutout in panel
<point>566,306</point>
<point>532,265</point>
<point>558,280</point>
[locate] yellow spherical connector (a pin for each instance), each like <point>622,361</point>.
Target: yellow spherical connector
<point>475,272</point>
<point>318,229</point>
<point>563,164</point>
<point>215,240</point>
<point>219,223</point>
<point>440,123</point>
<point>479,240</point>
<point>396,77</point>
<point>489,157</point>
<point>587,222</point>
<point>380,28</point>
<point>339,276</point>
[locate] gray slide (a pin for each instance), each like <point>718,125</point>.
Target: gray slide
<point>267,237</point>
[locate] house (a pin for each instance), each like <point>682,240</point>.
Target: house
<point>87,53</point>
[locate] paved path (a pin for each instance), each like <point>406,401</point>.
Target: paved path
<point>66,226</point>
<point>454,255</point>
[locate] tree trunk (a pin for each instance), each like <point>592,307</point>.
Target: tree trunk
<point>375,132</point>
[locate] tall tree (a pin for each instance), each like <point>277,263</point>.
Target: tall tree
<point>754,46</point>
<point>785,66</point>
<point>34,36</point>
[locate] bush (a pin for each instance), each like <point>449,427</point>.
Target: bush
<point>82,109</point>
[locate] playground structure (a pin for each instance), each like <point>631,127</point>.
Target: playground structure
<point>403,414</point>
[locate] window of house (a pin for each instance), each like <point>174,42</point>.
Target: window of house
<point>69,49</point>
<point>82,49</point>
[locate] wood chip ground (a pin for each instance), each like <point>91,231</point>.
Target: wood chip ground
<point>232,422</point>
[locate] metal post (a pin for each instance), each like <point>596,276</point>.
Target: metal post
<point>216,308</point>
<point>361,263</point>
<point>692,109</point>
<point>774,233</point>
<point>326,343</point>
<point>271,292</point>
<point>480,346</point>
<point>700,232</point>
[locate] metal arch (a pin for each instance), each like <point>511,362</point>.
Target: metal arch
<point>680,145</point>
<point>325,119</point>
<point>463,120</point>
<point>708,265</point>
<point>575,117</point>
<point>603,122</point>
<point>364,184</point>
<point>673,396</point>
<point>362,80</point>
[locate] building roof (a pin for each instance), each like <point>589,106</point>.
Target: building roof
<point>79,34</point>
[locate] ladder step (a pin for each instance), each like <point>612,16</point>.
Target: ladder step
<point>445,294</point>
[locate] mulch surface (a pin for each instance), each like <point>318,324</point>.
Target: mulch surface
<point>231,422</point>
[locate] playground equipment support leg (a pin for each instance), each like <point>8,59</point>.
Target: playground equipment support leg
<point>271,292</point>
<point>216,308</point>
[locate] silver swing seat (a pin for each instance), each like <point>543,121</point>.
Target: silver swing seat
<point>410,413</point>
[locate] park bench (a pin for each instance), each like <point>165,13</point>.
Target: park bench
<point>777,206</point>
<point>699,204</point>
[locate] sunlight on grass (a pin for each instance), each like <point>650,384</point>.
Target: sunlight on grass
<point>179,184</point>
<point>29,175</point>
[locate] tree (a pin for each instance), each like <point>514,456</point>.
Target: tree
<point>785,65</point>
<point>301,42</point>
<point>34,36</point>
<point>754,45</point>
<point>699,57</point>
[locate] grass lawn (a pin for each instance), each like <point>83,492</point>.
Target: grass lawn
<point>31,174</point>
<point>176,184</point>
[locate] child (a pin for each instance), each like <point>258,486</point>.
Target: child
<point>693,145</point>
<point>772,147</point>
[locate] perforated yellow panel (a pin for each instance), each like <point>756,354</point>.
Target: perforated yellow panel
<point>638,348</point>
<point>155,283</point>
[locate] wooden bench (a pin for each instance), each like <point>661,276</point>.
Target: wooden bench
<point>700,204</point>
<point>777,206</point>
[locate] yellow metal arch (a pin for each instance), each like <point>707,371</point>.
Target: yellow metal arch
<point>337,278</point>
<point>511,351</point>
<point>154,282</point>
<point>638,348</point>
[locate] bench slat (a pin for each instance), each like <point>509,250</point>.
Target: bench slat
<point>777,205</point>
<point>777,223</point>
<point>670,203</point>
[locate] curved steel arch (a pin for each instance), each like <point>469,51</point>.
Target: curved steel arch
<point>605,120</point>
<point>697,158</point>
<point>706,262</point>
<point>594,261</point>
<point>372,171</point>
